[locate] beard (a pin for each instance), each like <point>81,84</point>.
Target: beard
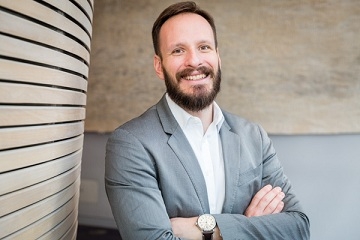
<point>200,97</point>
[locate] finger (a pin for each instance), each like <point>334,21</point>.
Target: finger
<point>252,209</point>
<point>279,207</point>
<point>268,198</point>
<point>259,195</point>
<point>275,204</point>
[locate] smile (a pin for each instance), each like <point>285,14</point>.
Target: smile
<point>195,77</point>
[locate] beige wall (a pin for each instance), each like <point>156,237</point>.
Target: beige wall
<point>44,63</point>
<point>292,66</point>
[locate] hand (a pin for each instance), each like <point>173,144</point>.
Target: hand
<point>266,201</point>
<point>186,228</point>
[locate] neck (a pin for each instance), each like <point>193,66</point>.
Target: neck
<point>205,115</point>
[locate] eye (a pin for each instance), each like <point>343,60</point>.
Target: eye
<point>205,48</point>
<point>177,51</point>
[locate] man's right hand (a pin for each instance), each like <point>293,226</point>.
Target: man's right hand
<point>266,201</point>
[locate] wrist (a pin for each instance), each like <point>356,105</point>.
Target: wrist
<point>207,225</point>
<point>217,233</point>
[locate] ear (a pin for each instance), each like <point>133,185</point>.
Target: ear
<point>158,67</point>
<point>217,50</point>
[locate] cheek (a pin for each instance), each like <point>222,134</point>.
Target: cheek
<point>215,62</point>
<point>173,67</point>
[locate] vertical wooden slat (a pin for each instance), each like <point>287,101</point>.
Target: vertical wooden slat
<point>44,65</point>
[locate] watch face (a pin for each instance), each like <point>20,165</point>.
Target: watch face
<point>206,222</point>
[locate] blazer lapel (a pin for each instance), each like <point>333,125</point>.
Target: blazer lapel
<point>231,153</point>
<point>183,150</point>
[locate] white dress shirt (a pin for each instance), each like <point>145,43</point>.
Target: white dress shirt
<point>208,150</point>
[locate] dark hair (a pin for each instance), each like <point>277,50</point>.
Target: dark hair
<point>173,10</point>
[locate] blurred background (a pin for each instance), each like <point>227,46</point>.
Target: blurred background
<point>292,66</point>
<point>73,71</point>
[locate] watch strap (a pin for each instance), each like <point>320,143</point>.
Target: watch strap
<point>207,235</point>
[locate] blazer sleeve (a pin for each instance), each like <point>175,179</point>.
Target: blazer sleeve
<point>291,223</point>
<point>132,189</point>
<point>132,186</point>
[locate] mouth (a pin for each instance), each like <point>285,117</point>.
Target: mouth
<point>201,73</point>
<point>195,77</point>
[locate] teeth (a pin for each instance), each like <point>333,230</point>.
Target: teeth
<point>196,77</point>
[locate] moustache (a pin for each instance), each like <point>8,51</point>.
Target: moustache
<point>201,70</point>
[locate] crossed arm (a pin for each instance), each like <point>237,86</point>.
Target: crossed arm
<point>266,201</point>
<point>132,184</point>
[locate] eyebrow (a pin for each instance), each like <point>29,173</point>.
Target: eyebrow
<point>172,46</point>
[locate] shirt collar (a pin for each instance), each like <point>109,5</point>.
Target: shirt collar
<point>182,117</point>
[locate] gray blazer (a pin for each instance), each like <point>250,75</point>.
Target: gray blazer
<point>152,174</point>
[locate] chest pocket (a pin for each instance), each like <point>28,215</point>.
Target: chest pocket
<point>250,176</point>
<point>248,184</point>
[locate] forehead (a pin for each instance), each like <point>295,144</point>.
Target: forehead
<point>185,27</point>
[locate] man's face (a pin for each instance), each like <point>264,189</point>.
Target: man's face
<point>189,63</point>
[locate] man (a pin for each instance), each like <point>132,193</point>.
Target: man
<point>187,169</point>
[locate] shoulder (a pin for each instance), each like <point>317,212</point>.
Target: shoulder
<point>140,124</point>
<point>237,123</point>
<point>244,127</point>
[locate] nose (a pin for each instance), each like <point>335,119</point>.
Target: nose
<point>193,59</point>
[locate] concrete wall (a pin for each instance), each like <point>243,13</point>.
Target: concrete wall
<point>323,169</point>
<point>292,66</point>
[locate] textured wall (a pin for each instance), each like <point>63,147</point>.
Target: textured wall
<point>293,66</point>
<point>44,64</point>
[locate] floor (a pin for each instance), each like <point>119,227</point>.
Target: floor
<point>96,233</point>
